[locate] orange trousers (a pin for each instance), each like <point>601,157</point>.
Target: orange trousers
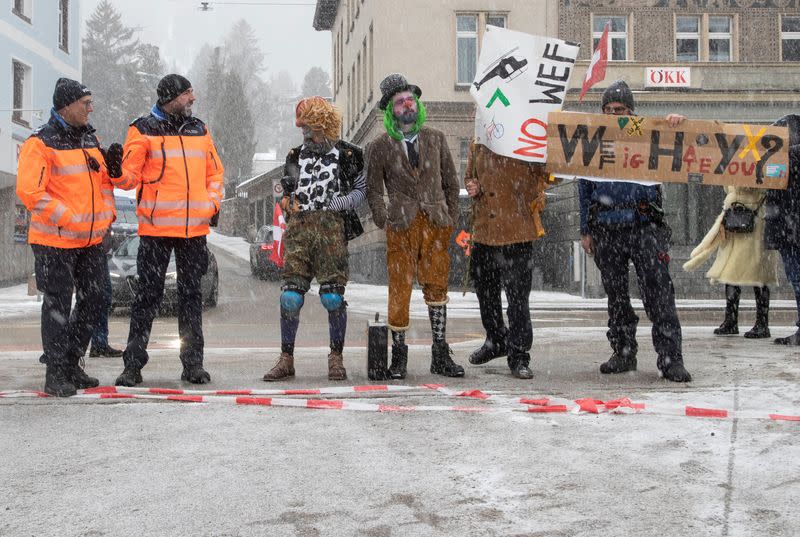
<point>419,251</point>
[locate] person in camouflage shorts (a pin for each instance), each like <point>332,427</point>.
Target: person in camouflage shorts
<point>323,184</point>
<point>314,248</point>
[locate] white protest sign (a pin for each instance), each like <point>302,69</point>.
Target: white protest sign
<point>520,79</point>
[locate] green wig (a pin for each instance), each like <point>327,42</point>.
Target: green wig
<point>390,122</point>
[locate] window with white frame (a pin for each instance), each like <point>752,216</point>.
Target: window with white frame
<point>497,19</point>
<point>704,38</point>
<point>720,36</point>
<point>63,25</point>
<point>466,47</point>
<point>469,29</point>
<point>687,39</point>
<point>617,35</point>
<point>22,9</point>
<point>22,93</point>
<point>790,39</point>
<point>371,60</point>
<point>463,154</point>
<point>359,86</point>
<point>364,83</point>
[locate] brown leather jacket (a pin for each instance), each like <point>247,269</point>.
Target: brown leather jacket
<point>508,208</point>
<point>432,188</point>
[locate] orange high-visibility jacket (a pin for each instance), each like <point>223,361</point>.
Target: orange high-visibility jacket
<point>175,167</point>
<point>62,179</point>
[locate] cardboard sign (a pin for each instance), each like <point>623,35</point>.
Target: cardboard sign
<point>520,78</point>
<point>647,148</point>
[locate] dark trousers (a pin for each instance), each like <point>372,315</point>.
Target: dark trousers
<point>191,257</point>
<point>791,264</point>
<point>100,332</point>
<point>66,331</point>
<point>505,268</point>
<point>647,247</point>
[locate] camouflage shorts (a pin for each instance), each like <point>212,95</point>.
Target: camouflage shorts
<point>315,247</point>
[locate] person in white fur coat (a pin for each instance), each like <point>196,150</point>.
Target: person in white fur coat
<point>741,261</point>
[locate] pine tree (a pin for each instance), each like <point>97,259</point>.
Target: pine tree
<point>234,131</point>
<point>110,70</point>
<point>316,82</point>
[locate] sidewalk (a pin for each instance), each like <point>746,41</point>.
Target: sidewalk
<point>368,298</point>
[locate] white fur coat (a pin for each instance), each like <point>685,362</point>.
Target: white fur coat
<point>741,257</point>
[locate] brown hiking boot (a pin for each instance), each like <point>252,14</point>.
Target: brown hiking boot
<point>284,368</point>
<point>336,369</point>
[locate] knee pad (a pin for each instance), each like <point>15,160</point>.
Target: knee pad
<point>332,301</point>
<point>332,297</point>
<point>291,301</point>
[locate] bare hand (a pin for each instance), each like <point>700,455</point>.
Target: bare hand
<point>675,119</point>
<point>473,188</point>
<point>587,243</point>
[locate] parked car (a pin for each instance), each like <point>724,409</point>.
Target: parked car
<point>126,223</point>
<point>122,267</point>
<point>260,250</point>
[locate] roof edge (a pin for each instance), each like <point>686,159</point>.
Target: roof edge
<point>325,14</point>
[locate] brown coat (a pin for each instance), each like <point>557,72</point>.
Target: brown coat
<point>508,208</point>
<point>432,188</point>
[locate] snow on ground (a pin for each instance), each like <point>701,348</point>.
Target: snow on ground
<point>15,302</point>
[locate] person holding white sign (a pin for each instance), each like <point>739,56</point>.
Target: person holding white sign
<point>508,198</point>
<point>622,222</point>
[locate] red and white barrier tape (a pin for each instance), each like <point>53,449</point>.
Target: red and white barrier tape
<point>501,403</point>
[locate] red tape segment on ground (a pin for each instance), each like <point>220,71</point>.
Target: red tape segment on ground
<point>496,403</point>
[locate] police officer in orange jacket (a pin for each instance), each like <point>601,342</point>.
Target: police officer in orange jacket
<point>63,180</point>
<point>170,159</point>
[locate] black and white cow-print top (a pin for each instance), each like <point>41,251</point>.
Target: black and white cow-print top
<point>318,182</point>
<point>318,187</point>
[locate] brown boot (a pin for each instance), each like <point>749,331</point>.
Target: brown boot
<point>336,369</point>
<point>284,368</point>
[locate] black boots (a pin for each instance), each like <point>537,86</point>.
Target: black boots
<point>487,352</point>
<point>761,328</point>
<point>619,363</point>
<point>58,381</point>
<point>399,361</point>
<point>195,374</point>
<point>730,326</point>
<point>794,339</point>
<point>129,377</point>
<point>81,380</point>
<point>104,352</point>
<point>442,363</point>
<point>673,370</point>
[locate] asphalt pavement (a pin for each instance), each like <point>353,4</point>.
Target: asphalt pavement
<point>428,463</point>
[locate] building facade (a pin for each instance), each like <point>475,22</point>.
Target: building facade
<point>39,42</point>
<point>732,61</point>
<point>727,60</point>
<point>436,46</point>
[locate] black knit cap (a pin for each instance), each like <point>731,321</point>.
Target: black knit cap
<point>170,87</point>
<point>67,92</point>
<point>618,92</point>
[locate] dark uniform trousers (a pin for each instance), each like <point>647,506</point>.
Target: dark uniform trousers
<point>497,268</point>
<point>66,331</point>
<point>191,257</point>
<point>647,247</point>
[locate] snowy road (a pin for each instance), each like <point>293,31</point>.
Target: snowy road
<point>111,467</point>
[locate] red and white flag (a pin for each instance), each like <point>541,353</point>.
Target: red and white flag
<point>597,68</point>
<point>278,227</point>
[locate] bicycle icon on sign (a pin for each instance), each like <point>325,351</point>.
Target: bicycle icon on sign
<point>495,130</point>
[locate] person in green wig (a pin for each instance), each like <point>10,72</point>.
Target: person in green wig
<point>413,165</point>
